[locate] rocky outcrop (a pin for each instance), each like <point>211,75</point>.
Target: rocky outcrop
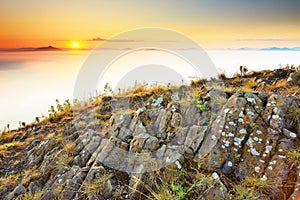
<point>106,152</point>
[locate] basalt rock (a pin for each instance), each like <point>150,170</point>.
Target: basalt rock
<point>236,136</point>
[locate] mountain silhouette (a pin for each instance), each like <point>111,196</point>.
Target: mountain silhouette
<point>48,48</point>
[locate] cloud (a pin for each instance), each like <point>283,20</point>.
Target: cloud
<point>6,65</point>
<point>112,40</point>
<point>267,40</point>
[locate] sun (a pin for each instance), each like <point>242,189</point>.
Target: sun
<point>75,45</point>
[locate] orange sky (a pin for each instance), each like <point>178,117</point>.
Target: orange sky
<point>213,24</point>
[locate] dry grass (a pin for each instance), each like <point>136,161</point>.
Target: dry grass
<point>69,147</point>
<point>15,144</point>
<point>249,86</point>
<point>98,186</point>
<point>9,182</point>
<point>49,136</point>
<point>242,193</point>
<point>36,196</point>
<point>64,160</point>
<point>279,84</point>
<point>30,176</point>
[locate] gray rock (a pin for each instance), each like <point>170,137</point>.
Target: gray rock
<point>176,119</point>
<point>289,134</point>
<point>175,97</point>
<point>161,122</point>
<point>294,79</point>
<point>20,189</point>
<point>195,137</point>
<point>190,115</point>
<point>144,141</point>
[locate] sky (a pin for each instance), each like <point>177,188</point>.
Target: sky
<point>211,23</point>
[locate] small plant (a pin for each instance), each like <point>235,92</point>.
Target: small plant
<point>62,110</point>
<point>49,136</point>
<point>251,187</point>
<point>294,156</point>
<point>249,86</point>
<point>99,186</point>
<point>29,176</point>
<point>9,181</point>
<point>107,89</point>
<point>242,193</point>
<point>222,76</point>
<point>200,105</point>
<point>294,114</point>
<point>36,196</point>
<point>255,182</point>
<point>198,82</point>
<point>64,160</point>
<point>69,147</point>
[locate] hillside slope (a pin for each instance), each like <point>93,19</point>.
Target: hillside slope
<point>230,138</point>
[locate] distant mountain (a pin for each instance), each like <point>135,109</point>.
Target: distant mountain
<point>270,49</point>
<point>281,49</point>
<point>48,48</point>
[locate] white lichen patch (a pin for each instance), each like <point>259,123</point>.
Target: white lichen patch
<point>178,164</point>
<point>236,144</point>
<point>254,152</point>
<point>264,178</point>
<point>241,114</point>
<point>231,123</point>
<point>270,168</point>
<point>215,176</point>
<point>226,110</point>
<point>281,156</point>
<point>275,116</point>
<point>223,134</point>
<point>250,142</point>
<point>251,100</point>
<point>229,164</point>
<point>262,161</point>
<point>255,139</point>
<point>243,131</point>
<point>250,113</point>
<point>238,140</point>
<point>241,120</point>
<point>293,135</point>
<point>268,148</point>
<point>230,135</point>
<point>273,162</point>
<point>227,144</point>
<point>257,169</point>
<point>275,110</point>
<point>258,132</point>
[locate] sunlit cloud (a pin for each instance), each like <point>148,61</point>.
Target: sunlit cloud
<point>267,40</point>
<point>99,39</point>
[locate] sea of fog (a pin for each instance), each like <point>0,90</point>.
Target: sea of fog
<point>30,82</point>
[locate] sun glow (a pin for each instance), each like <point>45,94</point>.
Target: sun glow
<point>75,45</point>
